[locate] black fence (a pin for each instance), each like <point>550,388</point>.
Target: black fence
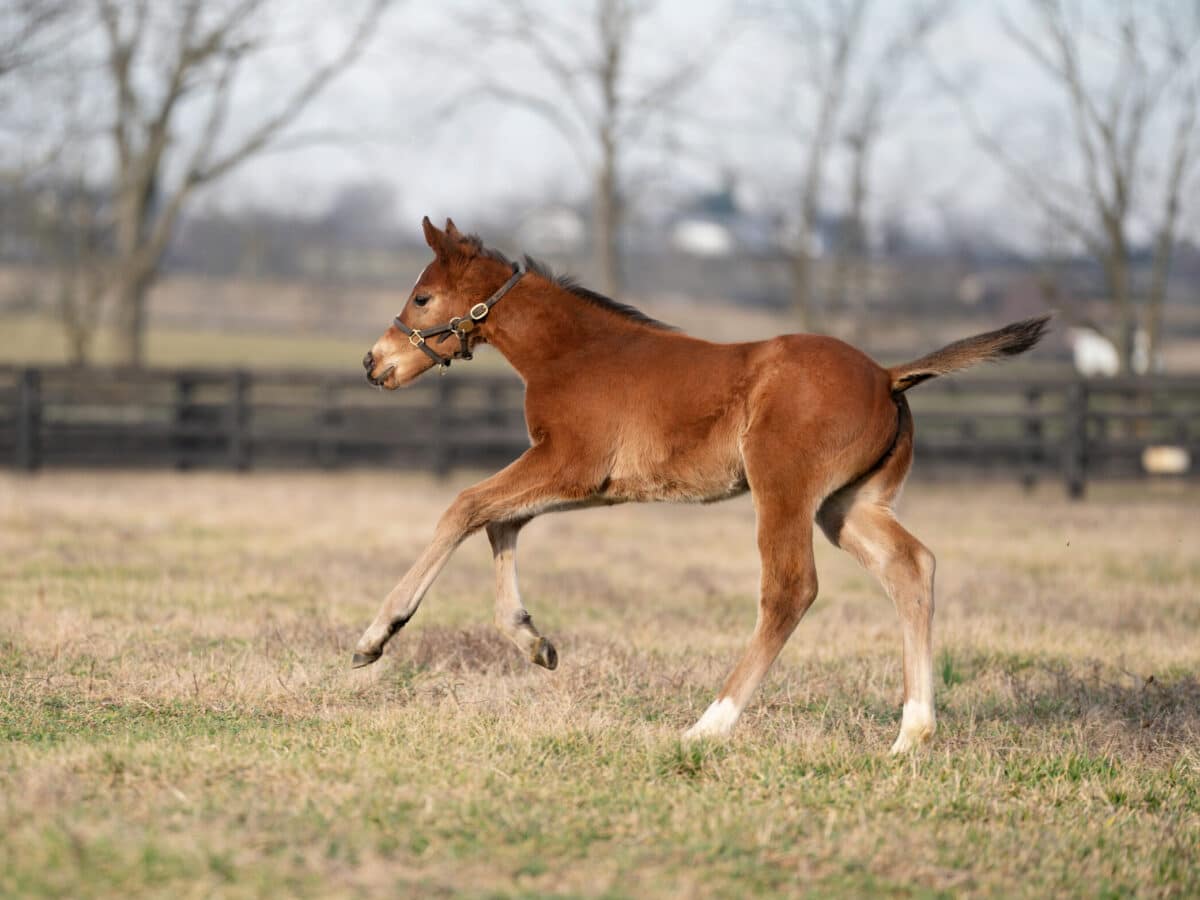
<point>1066,429</point>
<point>239,420</point>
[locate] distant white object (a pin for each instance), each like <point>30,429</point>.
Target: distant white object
<point>700,237</point>
<point>554,229</point>
<point>971,290</point>
<point>1095,355</point>
<point>1166,460</point>
<point>1140,363</point>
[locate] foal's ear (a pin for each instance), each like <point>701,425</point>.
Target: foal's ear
<point>433,237</point>
<point>465,246</point>
<point>442,244</point>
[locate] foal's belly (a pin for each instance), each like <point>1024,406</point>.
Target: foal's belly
<point>648,489</point>
<point>663,469</point>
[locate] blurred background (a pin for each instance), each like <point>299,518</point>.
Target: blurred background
<point>210,210</point>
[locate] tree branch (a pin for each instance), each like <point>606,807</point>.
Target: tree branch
<point>316,82</point>
<point>1030,184</point>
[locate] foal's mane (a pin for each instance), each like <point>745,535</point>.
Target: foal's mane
<point>569,284</point>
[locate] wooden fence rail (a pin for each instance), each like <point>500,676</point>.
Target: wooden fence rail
<point>1050,428</point>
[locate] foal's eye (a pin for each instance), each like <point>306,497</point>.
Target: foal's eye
<point>421,299</point>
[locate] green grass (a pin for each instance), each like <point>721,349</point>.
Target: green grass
<point>177,715</point>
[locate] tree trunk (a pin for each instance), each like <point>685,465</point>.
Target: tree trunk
<point>130,298</point>
<point>1117,268</point>
<point>802,305</point>
<point>851,276</point>
<point>606,222</point>
<point>132,277</point>
<point>72,318</point>
<point>803,292</point>
<point>1160,272</point>
<point>1154,304</point>
<point>843,262</point>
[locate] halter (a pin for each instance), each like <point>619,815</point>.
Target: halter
<point>460,326</point>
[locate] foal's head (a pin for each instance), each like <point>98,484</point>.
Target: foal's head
<point>458,278</point>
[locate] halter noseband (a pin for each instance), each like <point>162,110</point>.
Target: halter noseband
<point>460,326</point>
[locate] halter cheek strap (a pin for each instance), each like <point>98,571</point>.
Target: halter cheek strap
<point>460,326</point>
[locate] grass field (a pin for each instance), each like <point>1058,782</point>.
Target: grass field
<point>177,715</point>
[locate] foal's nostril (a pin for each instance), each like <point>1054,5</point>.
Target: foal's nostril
<point>368,361</point>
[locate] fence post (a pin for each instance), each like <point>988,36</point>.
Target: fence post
<point>496,413</point>
<point>1075,448</point>
<point>29,420</point>
<point>328,446</point>
<point>440,449</point>
<point>238,421</point>
<point>1033,432</point>
<point>183,443</point>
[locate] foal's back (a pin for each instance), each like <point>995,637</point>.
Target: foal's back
<point>673,419</point>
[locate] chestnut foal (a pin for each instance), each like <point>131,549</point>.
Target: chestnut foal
<point>622,408</point>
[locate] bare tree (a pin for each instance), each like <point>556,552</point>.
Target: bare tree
<point>26,27</point>
<point>586,89</point>
<point>878,88</point>
<point>828,37</point>
<point>70,227</point>
<point>853,58</point>
<point>157,58</point>
<point>1134,137</point>
<point>33,34</point>
<point>1181,165</point>
<point>57,209</point>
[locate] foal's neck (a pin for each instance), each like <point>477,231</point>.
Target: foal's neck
<point>542,325</point>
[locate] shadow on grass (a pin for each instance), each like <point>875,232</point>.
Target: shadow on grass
<point>1151,709</point>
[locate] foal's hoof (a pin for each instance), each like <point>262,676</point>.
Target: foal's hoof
<point>545,655</point>
<point>917,726</point>
<point>364,659</point>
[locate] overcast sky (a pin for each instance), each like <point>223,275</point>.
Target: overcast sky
<point>744,115</point>
<point>489,154</point>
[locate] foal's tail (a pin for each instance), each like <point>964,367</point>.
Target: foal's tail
<point>1007,341</point>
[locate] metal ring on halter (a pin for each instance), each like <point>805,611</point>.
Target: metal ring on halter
<point>416,338</point>
<point>479,312</point>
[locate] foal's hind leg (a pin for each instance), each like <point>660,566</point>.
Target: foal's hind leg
<point>511,616</point>
<point>789,587</point>
<point>859,519</point>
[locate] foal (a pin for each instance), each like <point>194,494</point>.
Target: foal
<point>622,408</point>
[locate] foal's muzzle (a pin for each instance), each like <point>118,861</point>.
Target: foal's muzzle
<point>369,365</point>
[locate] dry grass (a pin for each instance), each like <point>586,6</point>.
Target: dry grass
<point>178,715</point>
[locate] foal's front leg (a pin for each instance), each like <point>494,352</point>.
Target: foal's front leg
<point>517,492</point>
<point>511,616</point>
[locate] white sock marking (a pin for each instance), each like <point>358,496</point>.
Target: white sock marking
<point>916,725</point>
<point>718,720</point>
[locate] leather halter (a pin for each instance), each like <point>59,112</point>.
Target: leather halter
<point>459,326</point>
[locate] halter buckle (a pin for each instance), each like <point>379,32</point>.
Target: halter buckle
<point>479,312</point>
<point>416,338</point>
